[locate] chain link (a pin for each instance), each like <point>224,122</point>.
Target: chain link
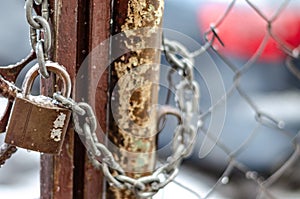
<point>187,112</point>
<point>6,151</point>
<point>40,32</point>
<point>8,89</point>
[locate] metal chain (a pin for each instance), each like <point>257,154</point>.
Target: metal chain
<point>40,37</point>
<point>40,32</point>
<point>6,150</point>
<point>187,112</point>
<point>9,91</point>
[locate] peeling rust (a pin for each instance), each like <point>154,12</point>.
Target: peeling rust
<point>135,75</point>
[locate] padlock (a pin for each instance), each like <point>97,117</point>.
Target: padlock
<point>38,123</point>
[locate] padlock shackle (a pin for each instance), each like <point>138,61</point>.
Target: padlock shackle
<point>54,67</point>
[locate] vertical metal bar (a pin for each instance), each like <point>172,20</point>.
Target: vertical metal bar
<point>57,171</point>
<point>99,31</point>
<point>82,51</point>
<point>132,127</point>
<point>79,27</point>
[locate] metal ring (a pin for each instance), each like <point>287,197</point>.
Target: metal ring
<point>110,177</point>
<point>95,162</point>
<point>105,152</point>
<point>168,110</point>
<point>45,9</point>
<point>33,37</point>
<point>90,114</point>
<point>188,68</point>
<point>149,179</point>
<point>41,59</point>
<point>77,126</point>
<point>179,138</point>
<point>29,16</point>
<point>77,109</point>
<point>47,32</point>
<point>108,158</point>
<point>89,141</point>
<point>175,61</point>
<point>145,194</point>
<point>181,99</point>
<point>38,2</point>
<point>168,177</point>
<point>52,67</point>
<point>177,48</point>
<point>69,103</point>
<point>131,182</point>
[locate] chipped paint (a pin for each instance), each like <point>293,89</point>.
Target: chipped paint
<point>143,13</point>
<point>137,74</point>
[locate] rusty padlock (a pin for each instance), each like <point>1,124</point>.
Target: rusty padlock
<point>36,122</point>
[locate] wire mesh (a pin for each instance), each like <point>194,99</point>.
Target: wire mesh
<point>263,184</point>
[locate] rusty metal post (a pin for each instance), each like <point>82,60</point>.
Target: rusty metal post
<point>57,171</point>
<point>134,77</point>
<point>80,26</point>
<point>99,31</point>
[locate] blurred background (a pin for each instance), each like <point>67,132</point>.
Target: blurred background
<point>19,178</point>
<point>260,149</point>
<point>265,86</point>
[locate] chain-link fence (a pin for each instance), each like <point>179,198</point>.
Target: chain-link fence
<point>259,155</point>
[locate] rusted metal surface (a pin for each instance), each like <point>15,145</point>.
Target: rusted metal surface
<point>5,117</point>
<point>9,93</point>
<point>80,26</point>
<point>30,127</point>
<point>57,171</point>
<point>10,73</point>
<point>80,92</point>
<point>99,31</point>
<point>6,89</point>
<point>6,151</point>
<point>133,125</point>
